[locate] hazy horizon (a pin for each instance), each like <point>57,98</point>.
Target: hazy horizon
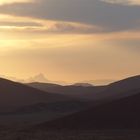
<point>41,78</point>
<point>71,41</point>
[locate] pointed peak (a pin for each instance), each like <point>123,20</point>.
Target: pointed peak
<point>38,78</point>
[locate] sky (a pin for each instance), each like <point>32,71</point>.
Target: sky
<point>70,40</point>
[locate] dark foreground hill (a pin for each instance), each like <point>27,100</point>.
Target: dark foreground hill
<point>15,95</point>
<point>120,114</point>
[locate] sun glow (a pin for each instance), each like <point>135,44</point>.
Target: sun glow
<point>12,1</point>
<point>65,50</point>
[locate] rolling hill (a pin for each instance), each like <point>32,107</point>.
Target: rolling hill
<point>123,88</point>
<point>15,95</point>
<point>120,114</point>
<point>77,91</point>
<point>116,90</point>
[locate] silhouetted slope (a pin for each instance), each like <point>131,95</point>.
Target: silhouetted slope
<point>58,107</point>
<point>49,87</point>
<point>14,95</point>
<point>81,92</point>
<point>122,88</point>
<point>120,114</point>
<point>113,91</point>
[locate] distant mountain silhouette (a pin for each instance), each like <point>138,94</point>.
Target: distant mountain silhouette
<point>83,85</point>
<point>15,95</point>
<point>37,78</point>
<point>119,114</point>
<point>117,90</point>
<point>98,82</point>
<point>75,91</point>
<point>120,111</point>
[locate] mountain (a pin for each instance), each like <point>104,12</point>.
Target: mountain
<point>83,85</point>
<point>37,78</point>
<point>119,114</point>
<point>99,82</point>
<point>109,92</point>
<point>75,91</point>
<point>14,95</point>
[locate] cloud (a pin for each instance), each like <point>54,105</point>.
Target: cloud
<point>110,17</point>
<point>46,27</point>
<point>19,24</point>
<point>124,2</point>
<point>67,28</point>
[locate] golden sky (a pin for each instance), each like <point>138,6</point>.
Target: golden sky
<point>12,1</point>
<point>69,45</point>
